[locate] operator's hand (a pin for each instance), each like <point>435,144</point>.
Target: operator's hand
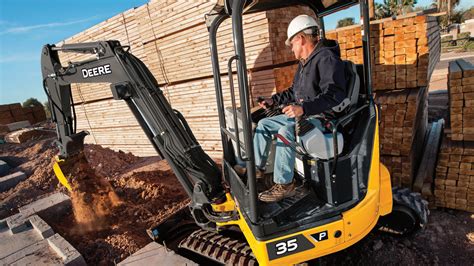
<point>293,111</point>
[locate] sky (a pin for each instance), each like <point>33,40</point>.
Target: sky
<point>27,25</point>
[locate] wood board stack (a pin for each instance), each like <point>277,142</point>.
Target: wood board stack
<point>404,51</point>
<point>109,122</point>
<point>404,119</point>
<point>461,100</point>
<point>11,113</point>
<point>454,182</point>
<point>172,40</point>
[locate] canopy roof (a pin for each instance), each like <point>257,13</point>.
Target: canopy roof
<point>320,7</point>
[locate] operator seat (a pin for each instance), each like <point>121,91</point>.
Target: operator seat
<point>325,149</point>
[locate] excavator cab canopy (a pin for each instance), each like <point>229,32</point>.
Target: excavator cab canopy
<point>320,7</point>
<point>246,191</point>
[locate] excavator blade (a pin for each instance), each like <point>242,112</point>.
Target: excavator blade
<point>60,175</point>
<point>93,197</point>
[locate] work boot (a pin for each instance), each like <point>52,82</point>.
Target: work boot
<point>240,170</point>
<point>278,192</point>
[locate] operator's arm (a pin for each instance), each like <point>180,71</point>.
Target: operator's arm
<point>283,98</point>
<point>333,86</point>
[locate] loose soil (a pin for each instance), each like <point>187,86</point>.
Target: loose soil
<point>150,192</point>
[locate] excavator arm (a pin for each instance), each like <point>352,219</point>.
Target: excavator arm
<point>131,81</point>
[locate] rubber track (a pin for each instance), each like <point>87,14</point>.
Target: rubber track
<point>412,200</point>
<point>220,248</point>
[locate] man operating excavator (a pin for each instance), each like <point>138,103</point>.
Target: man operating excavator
<point>318,85</point>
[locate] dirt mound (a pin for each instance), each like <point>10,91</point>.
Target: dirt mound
<point>93,198</point>
<point>107,162</point>
<point>35,159</point>
<point>149,194</point>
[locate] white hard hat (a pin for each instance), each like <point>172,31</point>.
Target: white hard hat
<point>300,23</point>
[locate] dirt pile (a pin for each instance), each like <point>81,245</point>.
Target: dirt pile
<point>149,193</point>
<point>93,198</point>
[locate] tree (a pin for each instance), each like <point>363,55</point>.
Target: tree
<point>345,22</point>
<point>32,102</point>
<point>392,8</point>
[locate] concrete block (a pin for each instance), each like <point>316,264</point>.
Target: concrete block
<point>4,168</point>
<point>155,254</point>
<point>19,222</point>
<point>18,125</point>
<point>65,250</point>
<point>26,248</point>
<point>40,226</point>
<point>52,200</point>
<point>11,180</point>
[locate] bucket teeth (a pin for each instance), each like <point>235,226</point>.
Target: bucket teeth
<point>219,248</point>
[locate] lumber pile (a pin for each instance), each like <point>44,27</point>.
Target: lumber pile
<point>461,100</point>
<point>454,182</point>
<point>172,40</point>
<point>404,51</point>
<point>11,113</point>
<point>402,130</point>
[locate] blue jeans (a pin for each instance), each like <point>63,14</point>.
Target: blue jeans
<point>284,155</point>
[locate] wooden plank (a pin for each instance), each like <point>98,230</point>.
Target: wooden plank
<point>426,170</point>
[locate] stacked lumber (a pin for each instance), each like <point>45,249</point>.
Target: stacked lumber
<point>284,77</point>
<point>184,55</point>
<point>404,51</point>
<point>404,119</point>
<point>11,113</point>
<point>172,40</point>
<point>6,116</point>
<point>454,181</point>
<point>461,100</point>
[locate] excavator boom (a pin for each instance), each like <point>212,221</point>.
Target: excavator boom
<point>131,81</point>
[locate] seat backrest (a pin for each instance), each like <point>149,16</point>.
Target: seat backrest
<point>352,89</point>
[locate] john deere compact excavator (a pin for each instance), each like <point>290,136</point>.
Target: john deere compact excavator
<point>344,193</point>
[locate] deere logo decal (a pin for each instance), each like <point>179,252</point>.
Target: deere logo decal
<point>96,71</point>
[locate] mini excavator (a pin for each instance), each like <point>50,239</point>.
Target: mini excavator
<point>343,196</point>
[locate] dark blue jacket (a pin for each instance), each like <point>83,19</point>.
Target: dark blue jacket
<point>319,83</point>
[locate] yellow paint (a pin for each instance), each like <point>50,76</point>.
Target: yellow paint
<point>355,223</point>
<point>60,175</point>
<point>385,191</point>
<point>227,206</point>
